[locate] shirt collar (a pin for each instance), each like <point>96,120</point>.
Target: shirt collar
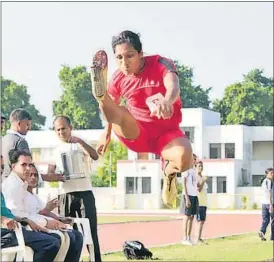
<point>10,131</point>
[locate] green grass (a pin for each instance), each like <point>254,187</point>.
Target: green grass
<point>117,219</point>
<point>246,247</point>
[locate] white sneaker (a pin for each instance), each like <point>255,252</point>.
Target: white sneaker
<point>201,242</point>
<point>187,243</point>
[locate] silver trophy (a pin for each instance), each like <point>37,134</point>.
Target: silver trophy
<point>73,164</point>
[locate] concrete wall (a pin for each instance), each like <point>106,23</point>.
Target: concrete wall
<point>262,150</point>
<point>144,168</point>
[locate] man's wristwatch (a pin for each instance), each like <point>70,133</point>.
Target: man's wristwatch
<point>23,221</point>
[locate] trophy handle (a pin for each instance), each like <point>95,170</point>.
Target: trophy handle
<point>65,166</point>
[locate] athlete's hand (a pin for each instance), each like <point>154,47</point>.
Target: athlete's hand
<point>103,143</point>
<point>164,109</point>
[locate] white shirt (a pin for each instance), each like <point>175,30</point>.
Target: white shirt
<point>73,185</point>
<point>35,205</point>
<point>191,182</point>
<point>15,192</point>
<point>266,186</point>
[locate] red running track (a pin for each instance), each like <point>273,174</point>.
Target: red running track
<point>156,233</point>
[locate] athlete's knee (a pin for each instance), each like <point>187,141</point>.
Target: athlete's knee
<point>183,158</point>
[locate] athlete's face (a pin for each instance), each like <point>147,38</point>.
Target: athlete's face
<point>128,59</point>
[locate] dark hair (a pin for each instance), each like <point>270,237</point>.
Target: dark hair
<point>127,37</point>
<point>37,171</point>
<point>200,162</point>
<point>19,114</point>
<point>66,118</point>
<point>268,170</point>
<point>15,154</point>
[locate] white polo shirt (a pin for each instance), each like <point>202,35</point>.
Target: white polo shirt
<point>266,187</point>
<point>191,182</point>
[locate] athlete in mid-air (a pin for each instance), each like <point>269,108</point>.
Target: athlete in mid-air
<point>150,120</point>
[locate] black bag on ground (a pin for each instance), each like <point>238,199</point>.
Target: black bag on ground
<point>136,250</point>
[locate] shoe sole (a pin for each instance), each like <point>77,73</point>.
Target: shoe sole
<point>98,74</point>
<point>168,203</point>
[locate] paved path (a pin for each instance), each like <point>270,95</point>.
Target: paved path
<point>156,233</point>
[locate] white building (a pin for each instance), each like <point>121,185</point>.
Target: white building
<point>234,156</point>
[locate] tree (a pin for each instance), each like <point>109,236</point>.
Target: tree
<point>115,151</point>
<point>76,101</point>
<point>16,96</point>
<point>191,95</point>
<point>249,102</point>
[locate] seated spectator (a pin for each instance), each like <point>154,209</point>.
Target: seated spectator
<point>44,246</point>
<point>35,206</point>
<point>15,193</point>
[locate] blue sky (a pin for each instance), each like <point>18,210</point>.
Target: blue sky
<point>221,41</point>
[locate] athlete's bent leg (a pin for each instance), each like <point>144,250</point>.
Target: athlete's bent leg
<point>178,153</point>
<point>124,124</point>
<point>178,158</point>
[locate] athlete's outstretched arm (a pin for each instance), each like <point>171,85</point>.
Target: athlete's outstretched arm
<point>171,82</point>
<point>165,107</point>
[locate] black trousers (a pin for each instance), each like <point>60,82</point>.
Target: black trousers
<point>73,208</point>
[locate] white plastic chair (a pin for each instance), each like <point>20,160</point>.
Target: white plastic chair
<point>83,226</point>
<point>8,253</point>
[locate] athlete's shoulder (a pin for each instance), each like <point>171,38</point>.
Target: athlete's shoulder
<point>116,77</point>
<point>161,62</point>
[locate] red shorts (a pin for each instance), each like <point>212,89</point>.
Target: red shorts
<point>152,138</point>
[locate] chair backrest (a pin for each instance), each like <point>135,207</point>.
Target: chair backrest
<point>84,227</point>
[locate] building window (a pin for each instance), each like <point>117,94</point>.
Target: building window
<point>157,156</point>
<point>146,185</point>
<point>209,184</point>
<point>221,184</point>
<point>215,150</point>
<point>256,180</point>
<point>229,150</point>
<point>189,132</point>
<point>131,185</point>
